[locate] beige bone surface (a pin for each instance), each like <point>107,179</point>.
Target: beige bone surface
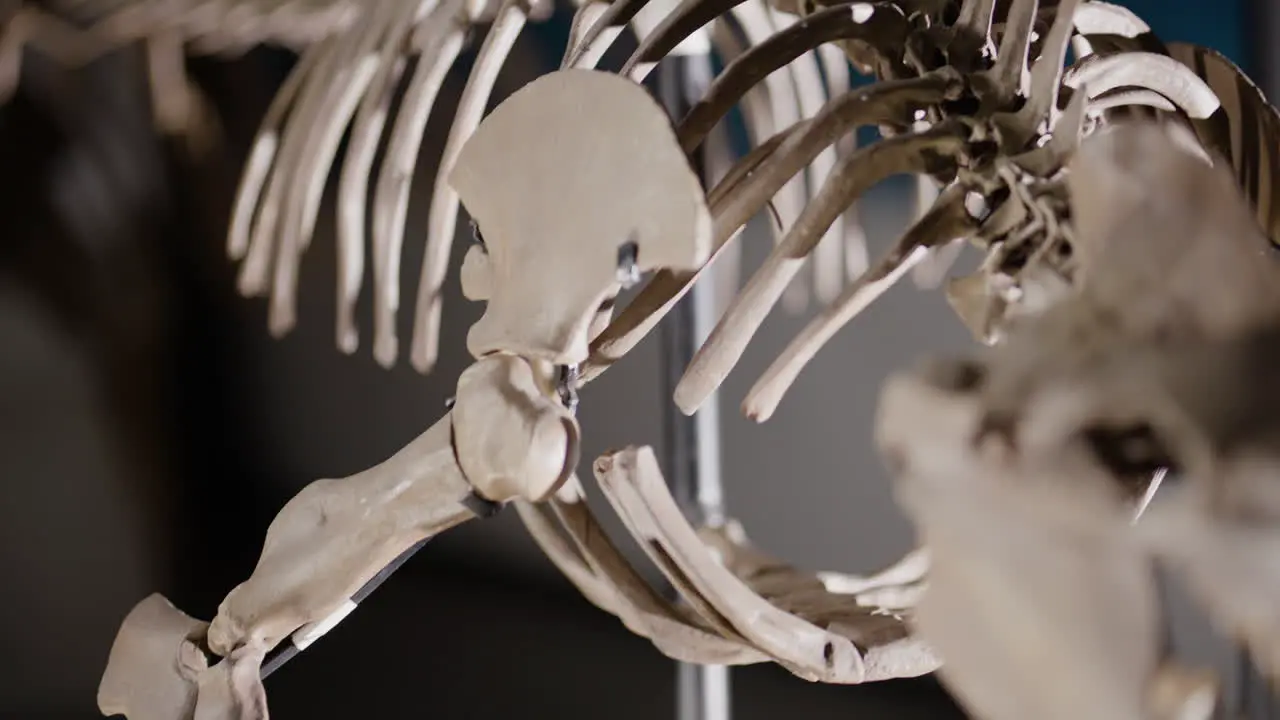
<point>620,192</point>
<point>513,439</point>
<point>155,664</point>
<point>795,620</point>
<point>1037,600</point>
<point>998,462</point>
<point>508,436</point>
<point>336,534</point>
<point>676,630</point>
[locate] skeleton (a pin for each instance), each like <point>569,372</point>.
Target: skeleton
<point>971,97</point>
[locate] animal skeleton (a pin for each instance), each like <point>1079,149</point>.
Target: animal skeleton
<point>971,95</point>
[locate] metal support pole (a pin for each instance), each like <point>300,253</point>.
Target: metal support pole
<point>693,444</point>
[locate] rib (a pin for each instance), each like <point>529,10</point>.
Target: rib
<point>945,222</point>
<point>597,39</point>
<point>348,82</point>
<point>688,17</point>
<point>443,218</point>
<point>256,271</point>
<point>877,103</point>
<point>855,174</point>
<point>583,20</point>
<point>442,40</point>
<point>665,288</point>
<point>811,96</point>
<point>262,155</point>
<point>357,168</point>
<point>753,18</point>
<point>632,481</point>
<point>778,50</point>
<point>1161,73</point>
<point>698,639</point>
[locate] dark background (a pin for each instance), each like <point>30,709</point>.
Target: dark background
<point>150,428</point>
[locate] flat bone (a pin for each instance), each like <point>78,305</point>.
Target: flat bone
<point>154,667</point>
<point>643,192</point>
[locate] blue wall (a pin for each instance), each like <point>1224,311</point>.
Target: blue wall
<point>1218,24</point>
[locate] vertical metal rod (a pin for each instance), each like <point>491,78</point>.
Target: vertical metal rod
<point>693,444</point>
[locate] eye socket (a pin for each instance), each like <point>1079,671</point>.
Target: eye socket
<point>1128,451</point>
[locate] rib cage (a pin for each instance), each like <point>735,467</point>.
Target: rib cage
<point>994,121</point>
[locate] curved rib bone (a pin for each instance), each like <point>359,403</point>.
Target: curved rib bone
<point>441,41</point>
<point>689,17</point>
<point>258,184</point>
<point>346,83</point>
<point>877,103</point>
<point>945,222</point>
<point>863,169</point>
<point>596,40</point>
<point>679,635</point>
<point>1042,103</point>
<point>1243,131</point>
<point>632,480</point>
<point>268,222</point>
<point>779,89</point>
<point>357,167</point>
<point>263,154</point>
<point>665,288</point>
<point>443,218</point>
<point>584,19</point>
<point>779,49</point>
<point>1163,74</point>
